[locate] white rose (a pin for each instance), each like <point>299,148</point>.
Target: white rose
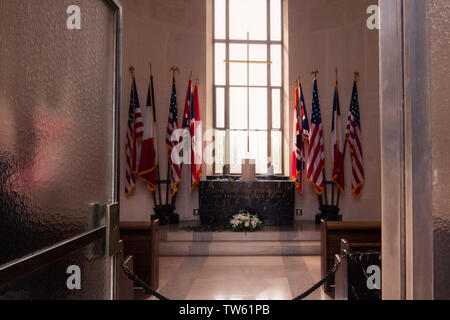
<point>247,224</point>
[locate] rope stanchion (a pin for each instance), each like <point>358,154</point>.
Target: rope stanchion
<point>138,281</point>
<point>307,293</point>
<point>321,282</point>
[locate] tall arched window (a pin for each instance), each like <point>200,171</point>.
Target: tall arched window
<point>248,86</point>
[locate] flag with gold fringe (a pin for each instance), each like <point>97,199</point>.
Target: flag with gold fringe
<point>148,162</point>
<point>301,127</point>
<point>196,141</point>
<point>172,126</point>
<point>353,136</point>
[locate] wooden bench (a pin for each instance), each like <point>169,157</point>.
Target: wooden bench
<point>141,240</point>
<point>346,245</point>
<point>333,232</point>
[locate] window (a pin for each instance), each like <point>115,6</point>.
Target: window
<point>248,88</point>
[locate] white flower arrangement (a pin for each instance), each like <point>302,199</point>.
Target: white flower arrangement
<point>245,222</point>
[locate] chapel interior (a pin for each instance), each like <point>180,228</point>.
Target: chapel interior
<point>224,149</point>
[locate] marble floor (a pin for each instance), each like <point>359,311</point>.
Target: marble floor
<point>238,278</point>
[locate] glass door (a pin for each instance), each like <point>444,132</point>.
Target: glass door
<point>59,85</point>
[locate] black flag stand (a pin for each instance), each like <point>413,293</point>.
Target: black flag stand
<point>329,212</point>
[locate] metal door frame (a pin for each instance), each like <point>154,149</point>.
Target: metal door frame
<point>406,167</point>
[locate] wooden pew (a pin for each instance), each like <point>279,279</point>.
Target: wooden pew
<point>346,245</point>
<point>141,240</point>
<point>333,232</point>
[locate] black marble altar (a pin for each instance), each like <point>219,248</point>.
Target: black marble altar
<point>272,200</point>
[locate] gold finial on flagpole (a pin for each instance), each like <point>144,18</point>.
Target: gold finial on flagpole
<point>298,80</point>
<point>315,73</point>
<point>151,71</point>
<point>131,71</point>
<point>336,70</point>
<point>197,81</point>
<point>356,73</point>
<point>190,75</point>
<point>174,69</point>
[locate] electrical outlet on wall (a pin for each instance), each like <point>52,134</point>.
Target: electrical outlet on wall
<point>299,212</point>
<point>196,212</point>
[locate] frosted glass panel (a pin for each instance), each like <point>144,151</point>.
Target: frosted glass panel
<point>258,150</point>
<point>275,20</point>
<point>219,19</point>
<point>277,152</point>
<point>220,67</point>
<point>275,53</point>
<point>238,71</point>
<point>49,283</point>
<point>238,150</point>
<point>258,108</point>
<point>276,109</point>
<point>56,129</point>
<point>248,16</point>
<point>238,108</point>
<point>220,107</point>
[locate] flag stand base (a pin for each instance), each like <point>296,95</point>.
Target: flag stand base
<point>328,213</point>
<point>165,214</point>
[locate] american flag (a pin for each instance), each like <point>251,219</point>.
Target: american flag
<point>337,154</point>
<point>172,125</point>
<point>316,157</point>
<point>196,138</point>
<point>304,116</point>
<point>135,132</point>
<point>187,106</point>
<point>187,120</point>
<point>301,136</point>
<point>353,136</point>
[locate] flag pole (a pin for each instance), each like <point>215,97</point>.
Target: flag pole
<point>356,74</point>
<point>174,70</point>
<point>332,186</point>
<point>174,198</point>
<point>315,72</point>
<point>158,174</point>
<point>157,166</point>
<point>197,82</point>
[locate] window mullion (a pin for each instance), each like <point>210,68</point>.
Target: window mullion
<point>227,88</point>
<point>227,108</point>
<point>269,91</point>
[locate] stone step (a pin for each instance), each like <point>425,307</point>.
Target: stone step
<point>241,236</point>
<point>239,248</point>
